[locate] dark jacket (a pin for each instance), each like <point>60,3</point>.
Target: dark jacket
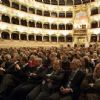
<point>86,88</point>
<point>40,73</point>
<point>55,83</point>
<point>75,84</point>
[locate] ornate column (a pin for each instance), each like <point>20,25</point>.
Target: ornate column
<point>34,37</point>
<point>10,35</point>
<point>0,34</point>
<point>64,38</point>
<point>49,38</point>
<point>98,38</point>
<point>57,39</point>
<point>19,37</point>
<point>42,38</point>
<point>10,3</point>
<point>27,37</point>
<point>19,21</point>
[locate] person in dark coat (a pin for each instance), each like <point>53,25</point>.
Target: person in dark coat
<point>13,76</point>
<point>71,88</point>
<point>20,92</point>
<point>50,84</point>
<point>91,84</point>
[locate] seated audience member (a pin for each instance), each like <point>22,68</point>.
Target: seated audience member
<point>13,76</point>
<point>20,92</point>
<point>71,89</point>
<point>36,73</point>
<point>50,84</point>
<point>89,64</point>
<point>2,70</point>
<point>91,84</point>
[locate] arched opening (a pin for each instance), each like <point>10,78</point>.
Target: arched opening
<point>61,38</point>
<point>23,22</point>
<point>53,14</point>
<point>61,26</point>
<point>15,20</point>
<point>53,38</point>
<point>15,36</point>
<point>94,11</point>
<point>77,2</point>
<point>54,2</point>
<point>54,26</point>
<point>93,38</point>
<point>70,2</point>
<point>62,2</point>
<point>46,1</point>
<point>46,26</point>
<point>94,24</point>
<point>15,5</point>
<point>31,37</point>
<point>39,37</point>
<point>87,1</point>
<point>46,38</point>
<point>62,14</point>
<point>5,18</point>
<point>6,2</point>
<point>69,38</point>
<point>39,25</point>
<point>32,10</point>
<point>23,36</point>
<point>39,0</point>
<point>69,14</point>
<point>39,12</point>
<point>47,13</point>
<point>31,23</point>
<point>5,35</point>
<point>23,8</point>
<point>69,26</point>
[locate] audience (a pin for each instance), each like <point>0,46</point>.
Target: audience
<point>51,73</point>
<point>91,84</point>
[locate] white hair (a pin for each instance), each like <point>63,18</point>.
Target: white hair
<point>8,56</point>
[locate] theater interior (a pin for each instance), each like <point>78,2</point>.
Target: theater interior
<point>49,23</point>
<point>49,49</point>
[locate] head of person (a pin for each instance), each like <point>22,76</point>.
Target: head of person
<point>15,57</point>
<point>56,65</point>
<point>39,61</point>
<point>95,55</point>
<point>52,56</point>
<point>75,64</point>
<point>96,73</point>
<point>23,60</point>
<point>33,61</point>
<point>7,57</point>
<point>32,57</point>
<point>83,62</point>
